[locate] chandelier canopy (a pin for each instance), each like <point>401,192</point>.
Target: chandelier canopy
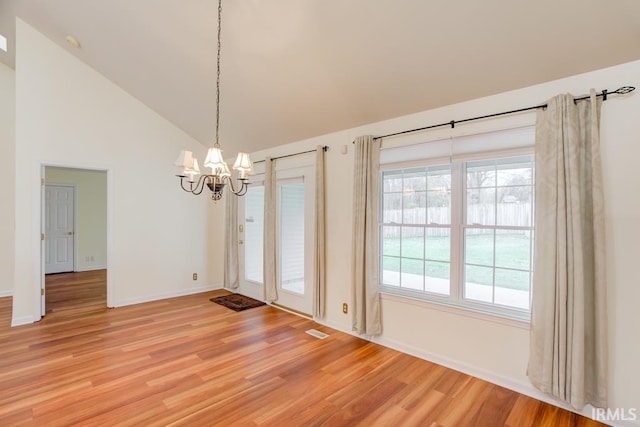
<point>220,174</point>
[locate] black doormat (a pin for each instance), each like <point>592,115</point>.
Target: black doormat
<point>237,302</point>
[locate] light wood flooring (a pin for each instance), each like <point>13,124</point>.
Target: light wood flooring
<point>188,361</point>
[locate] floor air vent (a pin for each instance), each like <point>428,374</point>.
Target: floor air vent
<point>317,334</point>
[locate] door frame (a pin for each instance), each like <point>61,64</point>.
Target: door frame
<point>40,285</point>
<point>75,219</point>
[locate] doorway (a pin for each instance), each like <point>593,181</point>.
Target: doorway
<point>74,250</point>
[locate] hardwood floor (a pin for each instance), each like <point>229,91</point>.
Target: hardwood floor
<point>188,361</point>
<point>5,312</point>
<point>76,293</point>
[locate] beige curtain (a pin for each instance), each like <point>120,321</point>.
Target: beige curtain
<point>319,236</point>
<point>366,299</point>
<point>269,248</point>
<point>568,352</point>
<point>231,275</point>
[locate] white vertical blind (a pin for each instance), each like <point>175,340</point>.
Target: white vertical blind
<point>253,233</point>
<point>292,237</point>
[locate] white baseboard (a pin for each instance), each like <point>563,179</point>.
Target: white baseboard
<point>24,320</point>
<point>6,294</point>
<point>166,295</point>
<point>512,384</point>
<point>91,268</point>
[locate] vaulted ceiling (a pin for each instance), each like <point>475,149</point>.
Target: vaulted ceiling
<point>293,69</point>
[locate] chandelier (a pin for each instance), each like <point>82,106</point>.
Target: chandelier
<point>220,175</point>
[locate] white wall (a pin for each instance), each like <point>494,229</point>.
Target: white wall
<point>91,214</point>
<point>493,350</point>
<point>69,115</point>
<point>7,156</point>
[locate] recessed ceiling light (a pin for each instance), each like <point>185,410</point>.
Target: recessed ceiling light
<point>3,43</point>
<point>73,42</point>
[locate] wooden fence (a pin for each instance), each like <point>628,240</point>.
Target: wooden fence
<point>507,214</point>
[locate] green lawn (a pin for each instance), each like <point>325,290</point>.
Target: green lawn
<point>511,252</point>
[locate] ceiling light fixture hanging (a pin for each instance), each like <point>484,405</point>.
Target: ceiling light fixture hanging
<point>220,175</point>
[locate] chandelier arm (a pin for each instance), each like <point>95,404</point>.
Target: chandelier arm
<point>199,187</point>
<point>244,189</point>
<point>231,186</point>
<point>188,190</point>
<point>240,191</point>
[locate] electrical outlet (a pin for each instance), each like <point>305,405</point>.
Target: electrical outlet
<point>345,308</point>
<point>195,276</point>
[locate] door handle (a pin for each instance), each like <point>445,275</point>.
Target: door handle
<point>70,233</point>
<point>240,242</point>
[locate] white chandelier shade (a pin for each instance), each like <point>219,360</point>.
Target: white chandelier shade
<point>214,159</point>
<point>243,164</point>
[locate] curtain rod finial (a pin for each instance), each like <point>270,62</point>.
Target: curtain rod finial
<point>624,89</point>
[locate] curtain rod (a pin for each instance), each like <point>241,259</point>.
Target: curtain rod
<point>324,148</point>
<point>620,91</point>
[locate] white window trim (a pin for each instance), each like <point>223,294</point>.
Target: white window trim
<point>454,302</point>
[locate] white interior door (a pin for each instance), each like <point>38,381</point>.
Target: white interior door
<point>59,228</point>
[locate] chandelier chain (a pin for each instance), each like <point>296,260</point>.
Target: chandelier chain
<point>217,143</point>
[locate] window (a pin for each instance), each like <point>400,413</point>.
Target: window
<point>460,233</point>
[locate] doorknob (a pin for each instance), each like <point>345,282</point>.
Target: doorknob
<point>240,242</point>
<point>70,233</point>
